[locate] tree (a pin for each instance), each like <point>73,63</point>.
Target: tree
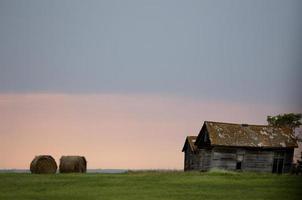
<point>290,120</point>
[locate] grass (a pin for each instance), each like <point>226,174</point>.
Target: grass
<point>151,185</point>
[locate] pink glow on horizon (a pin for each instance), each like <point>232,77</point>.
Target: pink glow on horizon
<point>112,131</point>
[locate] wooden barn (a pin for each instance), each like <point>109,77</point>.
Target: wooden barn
<point>242,147</point>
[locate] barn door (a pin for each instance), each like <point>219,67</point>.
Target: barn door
<point>278,162</point>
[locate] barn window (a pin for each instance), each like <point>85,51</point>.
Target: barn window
<point>239,161</point>
<point>278,162</point>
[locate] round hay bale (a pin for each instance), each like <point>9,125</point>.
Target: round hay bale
<point>43,164</point>
<point>73,164</point>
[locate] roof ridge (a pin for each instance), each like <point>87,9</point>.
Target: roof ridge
<point>235,123</point>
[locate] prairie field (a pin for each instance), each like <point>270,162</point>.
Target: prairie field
<point>150,185</point>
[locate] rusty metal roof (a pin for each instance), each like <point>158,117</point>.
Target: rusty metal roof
<point>190,140</point>
<point>244,135</point>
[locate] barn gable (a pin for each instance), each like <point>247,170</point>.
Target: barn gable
<point>190,143</point>
<point>203,139</point>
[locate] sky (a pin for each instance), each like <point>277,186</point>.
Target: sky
<point>124,82</point>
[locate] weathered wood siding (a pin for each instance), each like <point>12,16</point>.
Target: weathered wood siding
<point>262,160</point>
<point>191,160</point>
<point>258,160</point>
<point>224,158</point>
<point>205,159</point>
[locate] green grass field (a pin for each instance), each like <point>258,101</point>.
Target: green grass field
<point>150,185</point>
